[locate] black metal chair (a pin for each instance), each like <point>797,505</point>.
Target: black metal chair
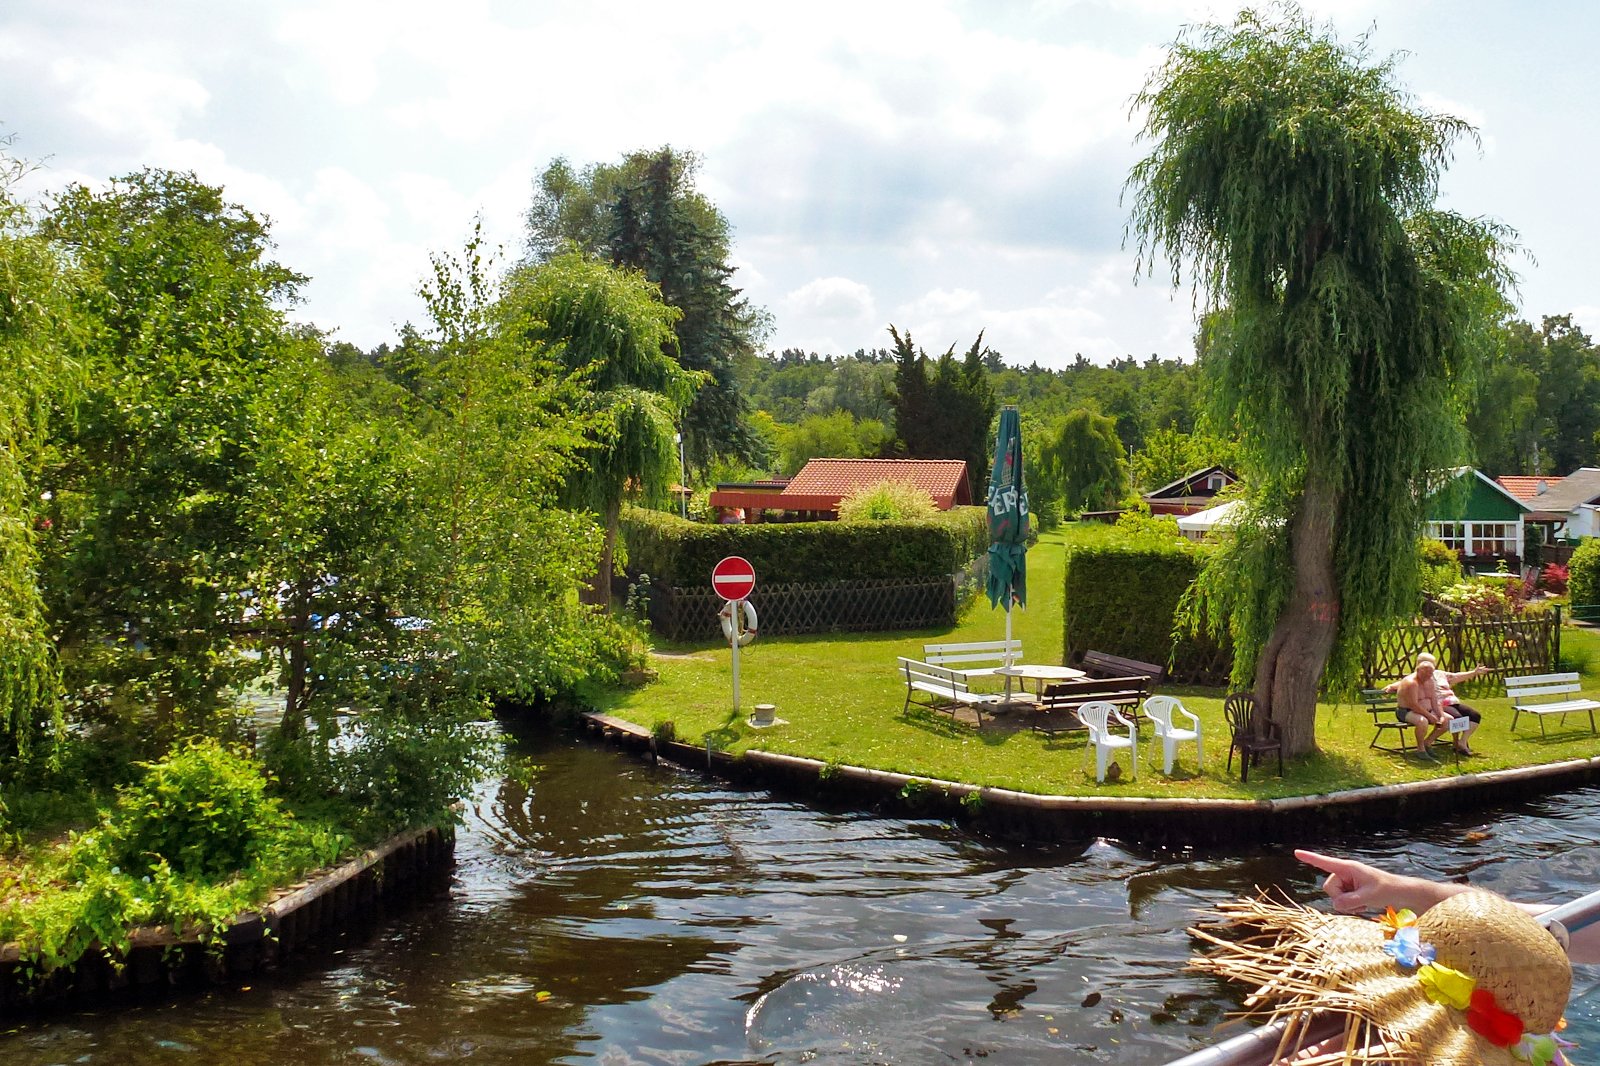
<point>1252,732</point>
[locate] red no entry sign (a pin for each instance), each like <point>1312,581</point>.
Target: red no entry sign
<point>733,578</point>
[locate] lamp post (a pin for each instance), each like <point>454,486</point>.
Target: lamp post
<point>683,477</point>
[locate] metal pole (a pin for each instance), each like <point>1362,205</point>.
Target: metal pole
<point>738,631</point>
<point>683,478</point>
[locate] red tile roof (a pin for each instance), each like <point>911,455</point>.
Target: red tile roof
<point>824,482</point>
<point>1526,488</point>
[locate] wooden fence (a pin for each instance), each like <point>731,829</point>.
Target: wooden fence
<point>828,607</point>
<point>1511,645</point>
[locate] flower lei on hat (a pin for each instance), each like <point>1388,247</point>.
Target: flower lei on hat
<point>1452,988</point>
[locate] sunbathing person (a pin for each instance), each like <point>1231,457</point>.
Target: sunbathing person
<point>1445,698</point>
<point>1419,705</point>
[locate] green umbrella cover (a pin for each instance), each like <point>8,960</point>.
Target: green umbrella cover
<point>1008,517</point>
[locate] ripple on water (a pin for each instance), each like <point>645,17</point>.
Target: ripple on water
<point>610,912</point>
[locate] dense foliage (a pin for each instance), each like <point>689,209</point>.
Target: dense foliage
<point>645,213</point>
<point>1123,596</point>
<point>682,553</point>
<point>1297,180</point>
<point>946,414</point>
<point>887,501</point>
<point>1583,573</point>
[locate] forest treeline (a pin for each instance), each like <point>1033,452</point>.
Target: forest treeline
<point>1096,430</point>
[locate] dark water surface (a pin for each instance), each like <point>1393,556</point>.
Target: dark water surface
<point>618,913</point>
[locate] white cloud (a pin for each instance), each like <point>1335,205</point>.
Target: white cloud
<point>833,298</point>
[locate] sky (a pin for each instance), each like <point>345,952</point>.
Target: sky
<point>941,165</point>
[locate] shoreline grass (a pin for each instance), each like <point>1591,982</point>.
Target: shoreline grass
<point>841,697</point>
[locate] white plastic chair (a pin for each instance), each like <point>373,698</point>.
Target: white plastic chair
<point>1097,716</point>
<point>1162,710</point>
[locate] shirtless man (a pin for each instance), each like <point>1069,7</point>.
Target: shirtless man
<point>1419,706</point>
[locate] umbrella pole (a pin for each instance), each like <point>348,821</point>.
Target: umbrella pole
<point>1009,663</point>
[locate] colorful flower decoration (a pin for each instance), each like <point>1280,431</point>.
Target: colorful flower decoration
<point>1407,948</point>
<point>1443,985</point>
<point>1393,921</point>
<point>1452,988</point>
<point>1484,1017</point>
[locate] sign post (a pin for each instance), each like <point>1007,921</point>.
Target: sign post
<point>733,578</point>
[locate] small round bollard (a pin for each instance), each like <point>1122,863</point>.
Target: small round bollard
<point>764,714</point>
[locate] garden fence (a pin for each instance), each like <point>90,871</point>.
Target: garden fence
<point>828,607</point>
<point>1510,645</point>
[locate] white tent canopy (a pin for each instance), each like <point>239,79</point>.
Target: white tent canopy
<point>1200,523</point>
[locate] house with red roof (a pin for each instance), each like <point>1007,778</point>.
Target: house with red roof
<point>1568,506</point>
<point>814,493</point>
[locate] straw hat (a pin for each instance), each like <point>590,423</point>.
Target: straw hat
<point>1473,980</point>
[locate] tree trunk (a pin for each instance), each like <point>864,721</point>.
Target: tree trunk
<point>1289,672</point>
<point>599,591</point>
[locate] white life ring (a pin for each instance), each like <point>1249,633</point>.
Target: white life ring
<point>726,614</point>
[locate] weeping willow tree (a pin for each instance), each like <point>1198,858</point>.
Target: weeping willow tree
<point>33,366</point>
<point>609,327</point>
<point>1345,318</point>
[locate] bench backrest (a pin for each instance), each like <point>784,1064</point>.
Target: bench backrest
<point>1122,691</point>
<point>1105,665</point>
<point>929,674</point>
<point>972,652</point>
<point>1539,686</point>
<point>1379,701</point>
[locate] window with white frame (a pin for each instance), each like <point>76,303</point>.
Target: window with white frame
<point>1479,538</point>
<point>1453,534</point>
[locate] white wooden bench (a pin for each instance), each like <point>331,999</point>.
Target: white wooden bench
<point>1533,695</point>
<point>947,687</point>
<point>958,656</point>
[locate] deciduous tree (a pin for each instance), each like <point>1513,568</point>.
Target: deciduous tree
<point>1297,180</point>
<point>610,330</point>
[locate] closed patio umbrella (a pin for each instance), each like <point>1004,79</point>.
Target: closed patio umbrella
<point>1008,521</point>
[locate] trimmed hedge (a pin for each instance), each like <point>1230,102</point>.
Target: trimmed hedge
<point>1583,573</point>
<point>1121,598</point>
<point>679,553</point>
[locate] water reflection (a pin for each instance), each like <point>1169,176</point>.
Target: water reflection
<point>616,913</point>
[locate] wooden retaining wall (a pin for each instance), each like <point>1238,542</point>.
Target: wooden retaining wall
<point>1158,821</point>
<point>345,899</point>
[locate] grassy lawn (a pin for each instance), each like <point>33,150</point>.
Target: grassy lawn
<point>841,696</point>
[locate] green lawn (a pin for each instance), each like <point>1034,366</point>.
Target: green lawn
<point>841,696</point>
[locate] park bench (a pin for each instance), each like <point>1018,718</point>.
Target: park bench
<point>1101,664</point>
<point>1541,694</point>
<point>975,658</point>
<point>1058,706</point>
<point>1382,706</point>
<point>946,687</point>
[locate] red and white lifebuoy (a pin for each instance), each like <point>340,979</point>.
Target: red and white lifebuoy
<point>750,622</point>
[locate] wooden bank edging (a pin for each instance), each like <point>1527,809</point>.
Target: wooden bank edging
<point>1150,819</point>
<point>321,908</point>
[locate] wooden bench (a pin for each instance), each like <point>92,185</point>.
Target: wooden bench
<point>1533,694</point>
<point>1382,706</point>
<point>1099,664</point>
<point>947,687</point>
<point>959,656</point>
<point>1058,706</point>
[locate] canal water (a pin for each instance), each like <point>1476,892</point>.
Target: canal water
<point>611,912</point>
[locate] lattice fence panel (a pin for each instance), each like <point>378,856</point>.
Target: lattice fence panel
<point>1515,644</point>
<point>892,603</point>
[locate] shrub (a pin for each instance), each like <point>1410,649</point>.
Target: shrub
<point>1437,553</point>
<point>887,501</point>
<point>1122,597</point>
<point>203,811</point>
<point>1583,570</point>
<point>681,554</point>
<point>1554,578</point>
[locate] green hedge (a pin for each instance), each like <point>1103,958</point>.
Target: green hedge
<point>680,553</point>
<point>1583,578</point>
<point>1121,598</point>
